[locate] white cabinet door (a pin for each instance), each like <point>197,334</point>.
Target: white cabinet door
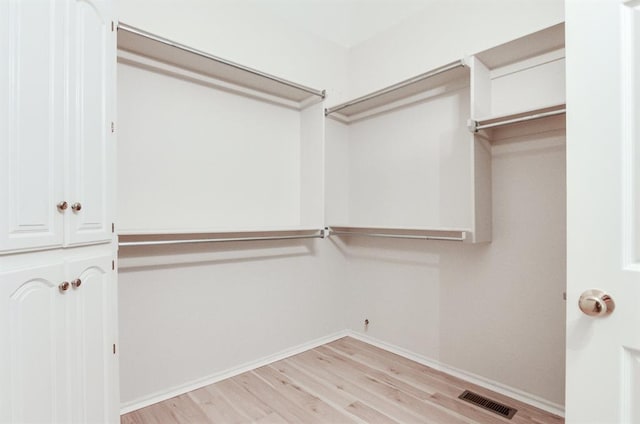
<point>57,83</point>
<point>93,330</point>
<point>32,121</point>
<point>91,144</point>
<point>34,362</point>
<point>57,363</point>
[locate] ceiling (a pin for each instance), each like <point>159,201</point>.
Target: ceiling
<point>345,22</point>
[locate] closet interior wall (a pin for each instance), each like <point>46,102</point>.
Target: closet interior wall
<point>195,313</point>
<point>473,308</point>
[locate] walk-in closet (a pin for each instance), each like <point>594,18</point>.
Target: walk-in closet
<point>305,211</point>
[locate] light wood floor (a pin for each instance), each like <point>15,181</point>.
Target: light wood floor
<point>346,381</point>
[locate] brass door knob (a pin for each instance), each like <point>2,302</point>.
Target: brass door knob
<point>76,207</point>
<point>62,206</point>
<point>64,286</point>
<point>76,283</point>
<point>596,303</point>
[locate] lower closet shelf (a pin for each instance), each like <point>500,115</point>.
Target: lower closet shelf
<point>401,233</point>
<point>158,239</point>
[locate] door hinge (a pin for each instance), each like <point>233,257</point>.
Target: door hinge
<point>113,227</point>
<point>114,348</point>
<point>113,265</point>
<point>113,127</point>
<point>112,26</point>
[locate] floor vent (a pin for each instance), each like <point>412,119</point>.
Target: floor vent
<point>488,404</point>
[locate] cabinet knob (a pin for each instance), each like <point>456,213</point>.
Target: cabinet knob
<point>62,206</point>
<point>76,207</point>
<point>64,286</point>
<point>76,283</point>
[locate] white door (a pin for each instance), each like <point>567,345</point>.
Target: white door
<point>603,210</point>
<point>91,149</point>
<point>93,330</point>
<point>32,123</point>
<point>34,361</point>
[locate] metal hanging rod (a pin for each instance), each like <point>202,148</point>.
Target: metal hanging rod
<point>478,125</point>
<point>397,236</point>
<point>402,84</point>
<point>317,234</point>
<point>167,42</point>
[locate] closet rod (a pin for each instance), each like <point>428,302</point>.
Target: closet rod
<point>479,126</point>
<point>426,75</point>
<point>319,234</point>
<point>397,236</point>
<point>145,34</point>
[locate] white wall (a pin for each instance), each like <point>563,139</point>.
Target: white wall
<point>185,314</point>
<point>492,310</point>
<point>445,31</point>
<point>191,313</point>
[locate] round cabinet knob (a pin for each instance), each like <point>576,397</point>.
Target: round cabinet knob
<point>62,206</point>
<point>64,286</point>
<point>596,303</point>
<point>76,283</point>
<point>76,207</point>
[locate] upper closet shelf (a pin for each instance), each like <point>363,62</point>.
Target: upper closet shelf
<point>543,41</point>
<point>152,46</point>
<point>394,94</point>
<point>519,82</point>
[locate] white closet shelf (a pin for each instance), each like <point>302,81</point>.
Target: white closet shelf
<point>377,100</point>
<point>516,118</point>
<point>543,41</point>
<point>447,234</point>
<point>143,43</point>
<point>174,238</point>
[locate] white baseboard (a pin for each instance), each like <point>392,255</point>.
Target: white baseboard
<point>222,375</point>
<point>514,393</point>
<point>503,389</point>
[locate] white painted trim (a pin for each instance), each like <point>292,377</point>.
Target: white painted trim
<point>222,375</point>
<point>503,389</point>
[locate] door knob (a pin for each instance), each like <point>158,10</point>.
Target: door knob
<point>76,283</point>
<point>76,207</point>
<point>596,303</point>
<point>64,286</point>
<point>62,206</point>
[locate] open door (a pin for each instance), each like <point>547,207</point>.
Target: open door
<point>603,211</point>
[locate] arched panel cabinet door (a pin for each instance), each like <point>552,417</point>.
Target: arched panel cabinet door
<point>33,341</point>
<point>32,123</point>
<point>91,141</point>
<point>93,335</point>
<point>58,326</point>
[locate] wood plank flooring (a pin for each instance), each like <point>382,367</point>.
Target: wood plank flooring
<point>345,381</point>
